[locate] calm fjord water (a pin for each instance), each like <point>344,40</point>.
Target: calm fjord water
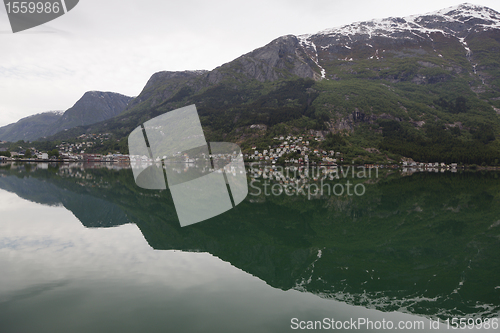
<point>85,250</point>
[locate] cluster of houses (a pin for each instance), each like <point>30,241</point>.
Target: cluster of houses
<point>67,156</point>
<point>293,145</point>
<point>73,151</point>
<point>34,154</point>
<point>435,165</point>
<point>87,141</point>
<point>289,149</point>
<point>412,167</point>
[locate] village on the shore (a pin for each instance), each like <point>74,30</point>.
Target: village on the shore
<point>296,150</point>
<point>287,150</point>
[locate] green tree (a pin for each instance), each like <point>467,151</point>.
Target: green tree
<point>54,152</point>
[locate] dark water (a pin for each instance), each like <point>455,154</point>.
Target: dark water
<point>85,250</point>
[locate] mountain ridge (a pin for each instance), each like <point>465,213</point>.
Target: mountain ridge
<point>92,107</point>
<point>405,86</point>
<point>34,126</point>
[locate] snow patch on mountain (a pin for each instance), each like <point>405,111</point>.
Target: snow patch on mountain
<point>423,25</point>
<point>452,22</point>
<point>309,44</point>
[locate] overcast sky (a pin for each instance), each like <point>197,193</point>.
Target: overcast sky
<point>116,45</point>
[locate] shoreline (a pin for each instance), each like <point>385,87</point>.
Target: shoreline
<point>263,164</point>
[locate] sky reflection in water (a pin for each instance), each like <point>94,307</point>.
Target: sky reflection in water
<point>58,276</point>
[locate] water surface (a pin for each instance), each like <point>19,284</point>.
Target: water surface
<point>84,249</point>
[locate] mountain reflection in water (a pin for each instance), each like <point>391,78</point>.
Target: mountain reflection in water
<point>425,244</point>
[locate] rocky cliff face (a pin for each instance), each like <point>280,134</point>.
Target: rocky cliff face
<point>445,43</point>
<point>282,58</point>
<point>314,55</point>
<point>163,85</point>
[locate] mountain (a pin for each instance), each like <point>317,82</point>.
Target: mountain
<point>424,86</point>
<point>431,35</point>
<point>31,127</point>
<point>162,86</point>
<point>326,53</point>
<point>92,107</point>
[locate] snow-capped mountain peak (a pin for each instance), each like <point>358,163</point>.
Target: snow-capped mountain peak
<point>457,21</point>
<point>371,39</point>
<point>467,10</point>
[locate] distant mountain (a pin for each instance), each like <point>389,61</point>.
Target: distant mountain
<point>31,127</point>
<point>93,107</point>
<point>424,86</point>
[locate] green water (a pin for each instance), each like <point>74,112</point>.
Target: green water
<point>86,250</point>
